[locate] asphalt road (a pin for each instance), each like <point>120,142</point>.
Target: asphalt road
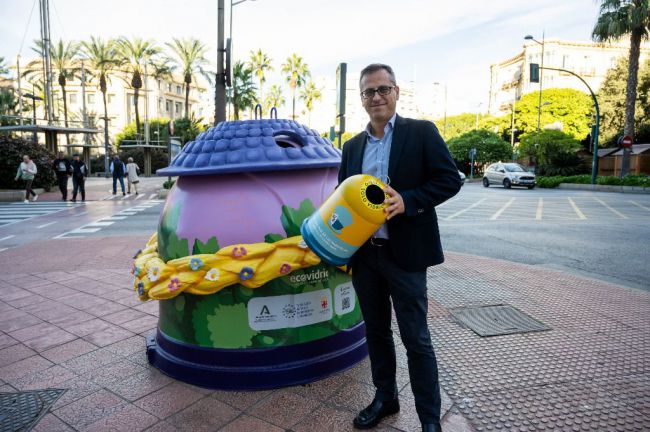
<point>600,235</point>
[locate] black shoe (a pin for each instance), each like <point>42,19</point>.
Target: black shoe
<point>373,413</point>
<point>431,427</point>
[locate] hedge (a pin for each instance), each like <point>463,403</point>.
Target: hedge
<point>629,180</point>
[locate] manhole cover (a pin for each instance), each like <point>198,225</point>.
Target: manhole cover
<point>496,320</point>
<point>21,411</point>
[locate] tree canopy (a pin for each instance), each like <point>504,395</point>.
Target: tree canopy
<point>489,148</point>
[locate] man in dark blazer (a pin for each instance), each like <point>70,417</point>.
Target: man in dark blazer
<point>412,157</point>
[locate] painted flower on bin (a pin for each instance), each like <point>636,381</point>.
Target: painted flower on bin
<point>212,275</point>
<point>285,268</point>
<point>140,289</point>
<point>135,270</point>
<point>196,263</point>
<point>153,274</point>
<point>239,252</point>
<point>174,285</point>
<point>302,244</point>
<point>246,273</point>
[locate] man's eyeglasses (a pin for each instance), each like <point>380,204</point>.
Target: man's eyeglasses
<point>382,90</point>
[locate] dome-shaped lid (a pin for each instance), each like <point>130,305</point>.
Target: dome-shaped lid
<point>253,145</point>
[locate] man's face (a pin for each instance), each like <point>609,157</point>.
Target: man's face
<point>379,108</point>
<point>25,159</point>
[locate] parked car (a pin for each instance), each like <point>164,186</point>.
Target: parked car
<point>508,175</point>
<point>462,177</point>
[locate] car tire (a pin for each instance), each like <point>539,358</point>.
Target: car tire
<point>531,187</point>
<point>486,182</point>
<point>506,183</point>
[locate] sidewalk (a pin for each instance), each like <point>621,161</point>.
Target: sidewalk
<point>69,320</point>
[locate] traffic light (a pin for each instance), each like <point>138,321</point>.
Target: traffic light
<point>534,73</point>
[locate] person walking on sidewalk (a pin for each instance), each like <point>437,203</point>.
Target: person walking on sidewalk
<point>132,172</point>
<point>27,171</point>
<point>79,174</point>
<point>61,166</point>
<point>118,169</point>
<point>411,157</point>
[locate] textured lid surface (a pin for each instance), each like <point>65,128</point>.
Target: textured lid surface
<point>253,145</point>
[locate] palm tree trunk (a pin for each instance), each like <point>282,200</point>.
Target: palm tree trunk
<point>632,81</point>
<point>187,100</point>
<point>106,165</point>
<point>235,104</point>
<point>65,113</point>
<point>137,111</point>
<point>293,104</point>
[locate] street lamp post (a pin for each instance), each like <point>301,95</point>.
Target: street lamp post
<point>34,98</point>
<point>541,80</point>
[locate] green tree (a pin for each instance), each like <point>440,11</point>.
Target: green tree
<point>454,126</point>
<point>8,108</point>
<point>134,55</point>
<point>545,145</point>
<point>190,57</point>
<point>274,98</point>
<point>103,59</point>
<point>489,148</point>
<point>243,90</point>
<point>260,63</point>
<point>296,71</point>
<point>619,18</point>
<point>309,95</point>
<point>4,69</point>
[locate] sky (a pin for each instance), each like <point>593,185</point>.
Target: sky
<point>425,41</point>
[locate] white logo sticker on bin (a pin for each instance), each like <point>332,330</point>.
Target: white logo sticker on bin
<point>290,311</point>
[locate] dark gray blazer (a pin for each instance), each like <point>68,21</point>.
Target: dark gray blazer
<point>422,171</point>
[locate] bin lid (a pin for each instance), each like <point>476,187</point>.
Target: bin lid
<point>253,145</point>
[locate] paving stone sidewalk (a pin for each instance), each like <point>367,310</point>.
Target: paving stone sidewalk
<point>69,320</point>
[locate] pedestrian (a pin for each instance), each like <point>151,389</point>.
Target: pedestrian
<point>79,174</point>
<point>132,173</point>
<point>118,169</point>
<point>27,171</point>
<point>411,157</point>
<point>63,170</point>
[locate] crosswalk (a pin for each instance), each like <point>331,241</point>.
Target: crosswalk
<point>107,221</point>
<point>17,212</point>
<point>567,208</point>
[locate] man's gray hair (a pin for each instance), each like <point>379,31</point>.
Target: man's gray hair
<point>374,67</point>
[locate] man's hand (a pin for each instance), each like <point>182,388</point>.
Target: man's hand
<point>394,203</point>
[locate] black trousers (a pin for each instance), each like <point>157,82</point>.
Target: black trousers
<point>78,185</point>
<point>377,280</point>
<point>28,188</point>
<point>63,185</point>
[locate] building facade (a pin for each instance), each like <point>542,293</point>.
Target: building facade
<point>510,79</point>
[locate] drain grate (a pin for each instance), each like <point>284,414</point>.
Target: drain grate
<point>496,320</point>
<point>21,411</point>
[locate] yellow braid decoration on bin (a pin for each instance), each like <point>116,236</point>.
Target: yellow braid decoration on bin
<point>251,265</point>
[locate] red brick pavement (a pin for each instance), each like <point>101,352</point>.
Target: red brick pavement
<point>69,319</point>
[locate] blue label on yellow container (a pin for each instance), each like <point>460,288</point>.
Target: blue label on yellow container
<point>322,239</point>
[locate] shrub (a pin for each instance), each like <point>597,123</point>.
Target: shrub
<point>629,180</point>
<point>168,184</point>
<point>13,151</point>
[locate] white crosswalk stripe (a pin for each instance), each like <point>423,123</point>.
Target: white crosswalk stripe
<point>17,212</point>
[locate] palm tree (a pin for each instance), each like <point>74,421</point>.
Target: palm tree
<point>617,19</point>
<point>135,54</point>
<point>64,61</point>
<point>260,63</point>
<point>309,95</point>
<point>103,61</point>
<point>296,72</point>
<point>4,69</point>
<point>243,89</point>
<point>274,98</point>
<point>190,56</point>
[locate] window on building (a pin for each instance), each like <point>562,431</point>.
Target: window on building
<point>169,87</point>
<point>168,106</point>
<point>178,109</point>
<point>91,98</point>
<point>159,84</point>
<point>73,98</point>
<point>178,89</point>
<point>160,103</point>
<point>109,98</point>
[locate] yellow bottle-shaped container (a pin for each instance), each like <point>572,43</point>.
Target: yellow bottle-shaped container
<point>346,220</point>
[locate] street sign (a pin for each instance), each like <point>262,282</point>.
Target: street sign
<point>626,141</point>
<point>534,73</point>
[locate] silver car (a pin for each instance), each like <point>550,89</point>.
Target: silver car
<point>508,174</point>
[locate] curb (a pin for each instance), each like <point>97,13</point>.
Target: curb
<point>162,193</point>
<point>17,194</point>
<point>605,188</point>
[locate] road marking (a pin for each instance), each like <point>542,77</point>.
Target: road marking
<point>125,197</point>
<point>540,207</point>
<point>576,209</point>
<point>100,223</point>
<point>79,214</point>
<point>458,213</point>
<point>139,196</point>
<point>3,249</point>
<point>114,218</point>
<point>127,213</point>
<point>502,209</point>
<point>84,230</point>
<point>639,205</point>
<point>7,238</point>
<point>152,196</point>
<point>616,212</point>
<point>47,224</point>
<point>107,197</point>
